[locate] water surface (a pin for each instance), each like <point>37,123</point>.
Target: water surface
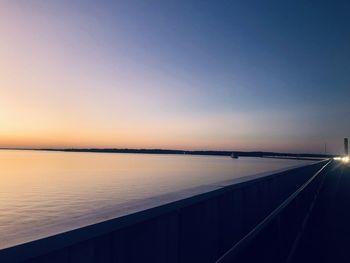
<point>43,193</point>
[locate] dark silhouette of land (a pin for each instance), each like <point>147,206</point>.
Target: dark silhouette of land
<point>304,156</point>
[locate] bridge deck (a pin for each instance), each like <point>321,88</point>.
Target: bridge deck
<point>327,236</point>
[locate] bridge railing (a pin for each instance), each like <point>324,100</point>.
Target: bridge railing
<point>199,228</point>
<point>276,237</point>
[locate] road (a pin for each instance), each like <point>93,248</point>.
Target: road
<point>327,236</point>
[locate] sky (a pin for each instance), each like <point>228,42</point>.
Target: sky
<point>211,75</point>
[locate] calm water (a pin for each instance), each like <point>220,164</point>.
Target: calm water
<point>43,193</point>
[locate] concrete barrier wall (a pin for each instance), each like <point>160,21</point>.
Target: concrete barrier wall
<point>196,229</point>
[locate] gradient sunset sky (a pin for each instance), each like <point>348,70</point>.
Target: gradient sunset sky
<point>231,75</point>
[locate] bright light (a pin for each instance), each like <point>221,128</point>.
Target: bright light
<point>345,159</point>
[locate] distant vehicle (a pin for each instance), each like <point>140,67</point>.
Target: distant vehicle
<point>234,155</point>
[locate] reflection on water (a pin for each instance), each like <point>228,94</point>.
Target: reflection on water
<point>42,193</point>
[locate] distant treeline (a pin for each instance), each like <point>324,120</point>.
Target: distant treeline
<point>215,153</point>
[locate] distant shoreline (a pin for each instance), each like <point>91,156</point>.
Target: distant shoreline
<point>303,156</point>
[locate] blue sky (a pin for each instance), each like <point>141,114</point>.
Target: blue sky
<point>246,75</point>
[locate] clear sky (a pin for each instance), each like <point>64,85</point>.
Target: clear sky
<point>240,75</point>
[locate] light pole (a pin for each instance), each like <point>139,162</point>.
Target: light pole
<point>346,146</point>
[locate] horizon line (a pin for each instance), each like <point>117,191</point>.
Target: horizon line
<point>135,150</point>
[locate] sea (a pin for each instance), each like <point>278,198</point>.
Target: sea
<point>43,193</point>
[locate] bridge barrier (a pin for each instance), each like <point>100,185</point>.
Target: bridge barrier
<point>276,237</point>
<point>196,229</point>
